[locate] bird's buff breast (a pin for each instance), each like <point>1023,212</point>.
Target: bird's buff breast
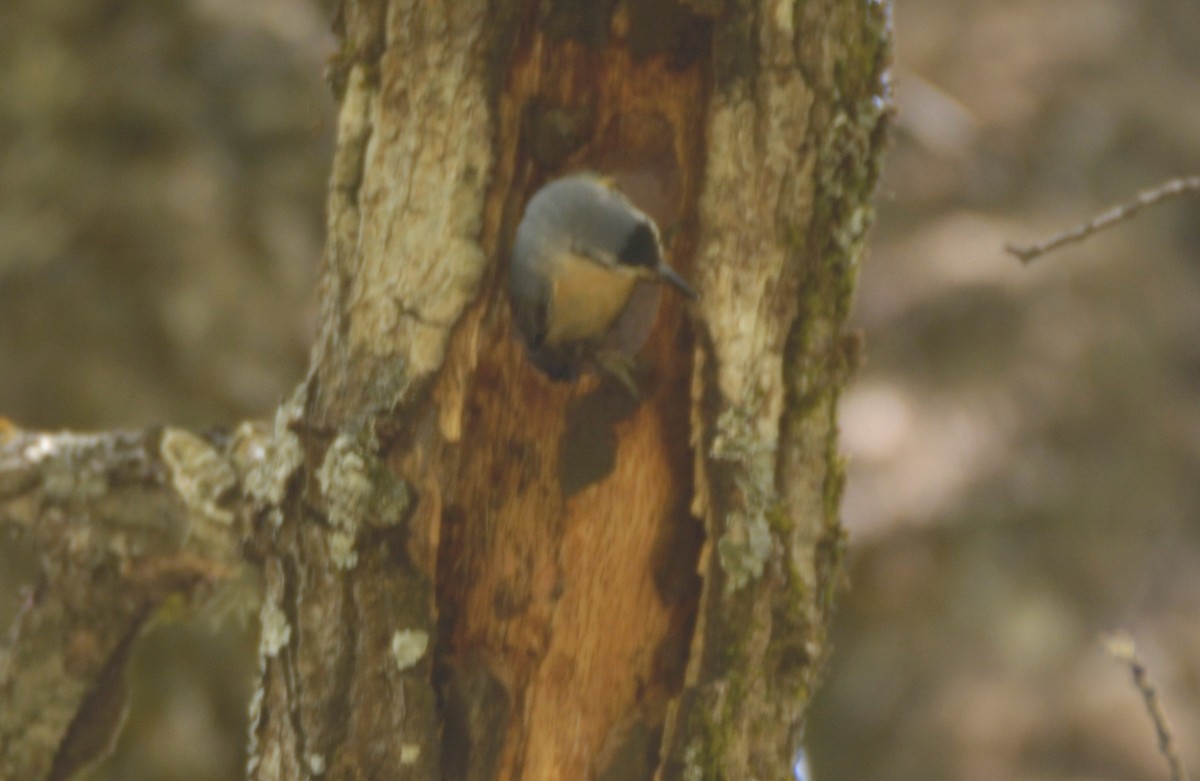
<point>585,300</point>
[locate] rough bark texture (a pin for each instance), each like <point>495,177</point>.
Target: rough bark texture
<point>795,133</point>
<point>474,573</point>
<point>595,588</point>
<point>121,523</point>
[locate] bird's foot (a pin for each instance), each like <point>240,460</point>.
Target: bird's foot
<point>621,367</point>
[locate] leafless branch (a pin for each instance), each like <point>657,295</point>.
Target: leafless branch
<point>119,523</point>
<point>1122,647</point>
<point>1172,189</point>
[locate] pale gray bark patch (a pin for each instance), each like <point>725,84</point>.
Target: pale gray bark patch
<point>120,523</point>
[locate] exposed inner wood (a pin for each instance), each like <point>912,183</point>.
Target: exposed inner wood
<point>577,595</point>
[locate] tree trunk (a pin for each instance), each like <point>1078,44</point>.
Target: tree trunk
<point>571,586</point>
<point>472,572</point>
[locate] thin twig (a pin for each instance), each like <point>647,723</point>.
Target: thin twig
<point>1172,189</point>
<point>1121,646</point>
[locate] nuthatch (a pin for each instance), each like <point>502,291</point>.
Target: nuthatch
<point>581,249</point>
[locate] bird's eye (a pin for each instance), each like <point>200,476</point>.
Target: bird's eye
<point>641,247</point>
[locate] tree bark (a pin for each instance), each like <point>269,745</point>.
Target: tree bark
<point>472,572</point>
<point>121,523</point>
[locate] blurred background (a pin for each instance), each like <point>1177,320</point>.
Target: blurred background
<point>1024,442</point>
<point>162,178</point>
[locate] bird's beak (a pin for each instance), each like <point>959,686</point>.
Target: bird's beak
<point>672,276</point>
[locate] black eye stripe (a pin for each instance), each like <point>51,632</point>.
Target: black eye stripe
<point>641,247</point>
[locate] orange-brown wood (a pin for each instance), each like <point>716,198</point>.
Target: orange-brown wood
<point>580,594</point>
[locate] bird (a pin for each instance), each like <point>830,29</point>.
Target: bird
<point>580,252</point>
